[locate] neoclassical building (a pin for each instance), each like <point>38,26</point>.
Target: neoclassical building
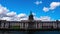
<point>30,24</point>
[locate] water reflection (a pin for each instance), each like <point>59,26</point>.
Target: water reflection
<point>37,32</point>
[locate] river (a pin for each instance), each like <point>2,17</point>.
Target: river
<point>37,32</point>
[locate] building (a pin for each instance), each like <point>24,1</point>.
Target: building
<point>30,24</point>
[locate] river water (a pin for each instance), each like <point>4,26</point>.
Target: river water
<point>37,32</point>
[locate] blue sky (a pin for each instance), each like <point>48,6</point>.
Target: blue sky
<point>42,8</point>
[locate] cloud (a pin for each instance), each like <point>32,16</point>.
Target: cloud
<point>53,6</point>
<point>38,2</point>
<point>22,15</point>
<point>15,18</point>
<point>3,10</point>
<point>45,9</point>
<point>45,18</point>
<point>6,18</point>
<point>36,18</point>
<point>24,19</point>
<point>11,13</point>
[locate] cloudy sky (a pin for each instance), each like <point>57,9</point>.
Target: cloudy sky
<point>20,9</point>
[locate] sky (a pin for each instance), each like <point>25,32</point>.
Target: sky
<point>20,9</point>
